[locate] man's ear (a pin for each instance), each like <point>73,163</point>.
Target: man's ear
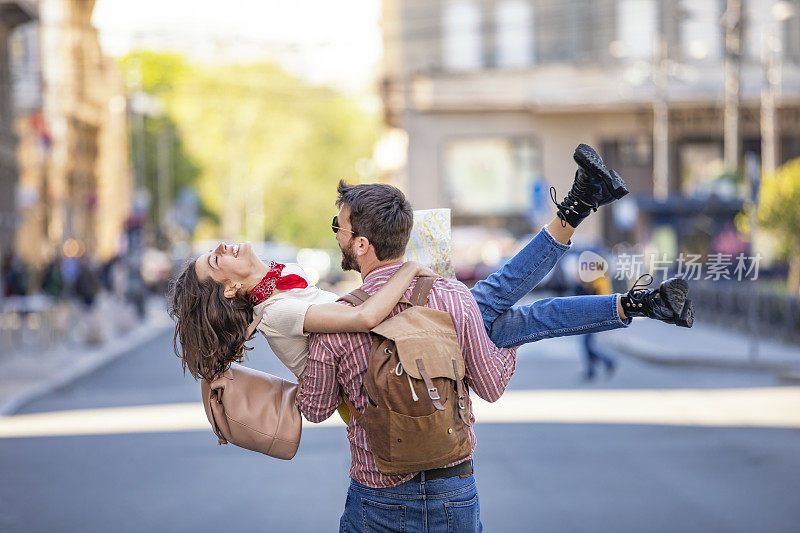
<point>231,290</point>
<point>362,247</point>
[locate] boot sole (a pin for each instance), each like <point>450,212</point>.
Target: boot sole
<point>686,318</point>
<point>675,292</point>
<point>591,162</point>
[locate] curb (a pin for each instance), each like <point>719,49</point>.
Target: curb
<point>86,366</point>
<point>783,369</point>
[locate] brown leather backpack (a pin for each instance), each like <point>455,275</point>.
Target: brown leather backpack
<point>416,416</point>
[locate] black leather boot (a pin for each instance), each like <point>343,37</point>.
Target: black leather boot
<point>667,303</point>
<point>594,185</point>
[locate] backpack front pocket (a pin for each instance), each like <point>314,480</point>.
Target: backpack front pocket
<point>420,442</point>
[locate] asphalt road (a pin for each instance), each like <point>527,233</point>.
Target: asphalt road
<point>531,476</point>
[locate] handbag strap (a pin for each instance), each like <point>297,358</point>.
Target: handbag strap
<point>351,407</point>
<point>251,329</point>
<point>214,426</point>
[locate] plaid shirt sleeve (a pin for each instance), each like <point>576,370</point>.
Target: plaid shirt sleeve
<point>488,368</point>
<point>319,390</point>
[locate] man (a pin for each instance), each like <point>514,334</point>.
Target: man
<point>374,222</point>
<point>372,229</point>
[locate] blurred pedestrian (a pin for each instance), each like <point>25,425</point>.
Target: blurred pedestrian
<point>135,290</point>
<point>15,275</point>
<point>87,284</point>
<point>53,279</point>
<point>593,356</point>
<point>70,268</point>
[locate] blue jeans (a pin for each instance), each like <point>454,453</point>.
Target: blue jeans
<point>510,325</point>
<point>593,356</point>
<point>439,505</point>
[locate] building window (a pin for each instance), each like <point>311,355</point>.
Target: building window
<point>701,30</point>
<point>636,29</point>
<point>757,22</point>
<point>790,33</point>
<point>701,165</point>
<point>491,175</point>
<point>514,34</point>
<point>462,43</point>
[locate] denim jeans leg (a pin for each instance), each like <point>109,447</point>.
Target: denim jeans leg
<point>557,317</point>
<point>520,275</point>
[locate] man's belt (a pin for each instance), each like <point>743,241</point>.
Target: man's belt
<point>461,469</point>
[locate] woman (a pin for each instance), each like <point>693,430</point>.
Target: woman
<point>212,319</point>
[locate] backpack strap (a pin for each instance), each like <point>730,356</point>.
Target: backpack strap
<point>355,297</point>
<point>359,296</point>
<point>422,287</point>
<point>433,392</point>
<point>462,403</point>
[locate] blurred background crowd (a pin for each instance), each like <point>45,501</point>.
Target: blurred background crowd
<point>129,140</point>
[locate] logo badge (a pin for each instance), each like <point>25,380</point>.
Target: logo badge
<point>591,266</point>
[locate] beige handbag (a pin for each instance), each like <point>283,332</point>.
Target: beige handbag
<point>254,410</point>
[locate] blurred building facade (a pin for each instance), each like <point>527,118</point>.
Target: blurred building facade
<point>12,14</point>
<point>74,185</point>
<point>495,94</point>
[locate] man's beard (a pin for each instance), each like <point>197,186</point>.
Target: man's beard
<point>349,259</point>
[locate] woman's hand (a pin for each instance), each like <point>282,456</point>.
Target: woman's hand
<point>427,272</point>
<point>420,270</point>
<point>331,318</point>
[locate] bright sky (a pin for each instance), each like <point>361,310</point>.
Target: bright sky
<point>324,41</point>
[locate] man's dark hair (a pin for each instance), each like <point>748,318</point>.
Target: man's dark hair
<point>380,213</point>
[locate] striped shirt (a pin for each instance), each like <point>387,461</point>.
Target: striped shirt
<point>339,360</point>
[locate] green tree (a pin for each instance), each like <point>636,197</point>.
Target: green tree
<point>269,148</point>
<point>778,211</point>
<point>155,74</point>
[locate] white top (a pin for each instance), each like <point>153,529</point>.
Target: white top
<point>283,319</point>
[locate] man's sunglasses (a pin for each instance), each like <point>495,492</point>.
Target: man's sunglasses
<point>335,226</point>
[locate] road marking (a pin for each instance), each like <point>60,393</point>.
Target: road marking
<point>775,407</point>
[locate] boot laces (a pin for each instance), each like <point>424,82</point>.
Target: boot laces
<point>572,199</point>
<point>639,289</point>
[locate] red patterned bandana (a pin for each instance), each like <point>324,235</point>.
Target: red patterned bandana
<point>273,280</point>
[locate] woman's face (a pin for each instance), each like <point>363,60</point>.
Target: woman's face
<point>229,265</point>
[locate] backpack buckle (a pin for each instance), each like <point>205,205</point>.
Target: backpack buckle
<point>433,392</point>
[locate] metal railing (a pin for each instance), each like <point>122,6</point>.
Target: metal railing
<point>728,304</point>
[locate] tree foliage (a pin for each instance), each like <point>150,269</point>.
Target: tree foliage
<point>156,74</point>
<point>269,148</point>
<point>779,211</point>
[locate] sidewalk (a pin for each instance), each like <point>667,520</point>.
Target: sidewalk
<point>27,375</point>
<point>702,345</point>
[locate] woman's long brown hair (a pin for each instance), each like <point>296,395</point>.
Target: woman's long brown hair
<point>210,329</point>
